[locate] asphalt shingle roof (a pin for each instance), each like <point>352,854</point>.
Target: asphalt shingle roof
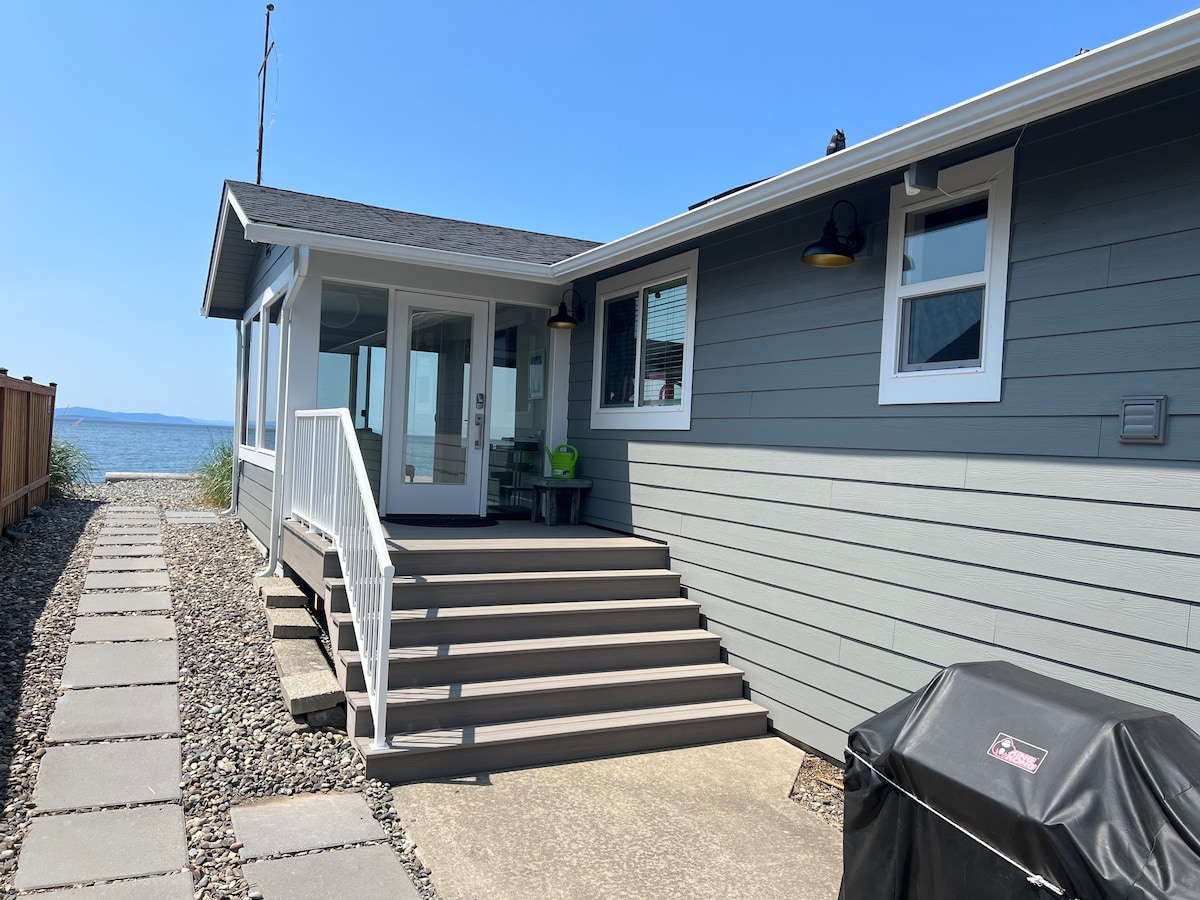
<point>273,206</point>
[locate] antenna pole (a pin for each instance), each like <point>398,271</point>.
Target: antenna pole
<point>262,96</point>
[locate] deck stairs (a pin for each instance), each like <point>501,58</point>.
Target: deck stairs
<point>514,652</point>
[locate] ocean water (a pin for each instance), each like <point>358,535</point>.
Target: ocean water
<point>139,446</point>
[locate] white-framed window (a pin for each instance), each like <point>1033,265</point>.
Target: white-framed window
<point>946,286</point>
<point>261,377</point>
<point>644,335</point>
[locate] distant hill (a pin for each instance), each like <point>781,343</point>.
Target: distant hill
<point>86,412</point>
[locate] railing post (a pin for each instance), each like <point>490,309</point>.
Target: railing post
<point>379,710</point>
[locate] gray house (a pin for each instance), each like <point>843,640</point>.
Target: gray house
<point>932,398</point>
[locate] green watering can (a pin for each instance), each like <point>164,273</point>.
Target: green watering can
<point>562,461</point>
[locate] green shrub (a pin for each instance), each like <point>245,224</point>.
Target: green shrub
<point>214,475</point>
<point>70,465</point>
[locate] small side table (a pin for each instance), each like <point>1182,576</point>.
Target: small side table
<point>546,491</point>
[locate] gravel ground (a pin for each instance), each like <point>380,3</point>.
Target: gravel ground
<point>239,742</point>
<point>813,791</point>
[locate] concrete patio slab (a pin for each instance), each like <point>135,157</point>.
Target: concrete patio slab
<point>115,713</point>
<point>131,518</point>
<point>700,822</point>
<point>159,887</point>
<point>95,629</point>
<point>140,601</point>
<point>131,509</point>
<point>279,825</point>
<point>127,530</point>
<point>127,540</point>
<point>117,580</point>
<point>113,665</point>
<point>110,550</point>
<point>101,846</point>
<point>374,872</point>
<point>127,564</point>
<point>87,775</point>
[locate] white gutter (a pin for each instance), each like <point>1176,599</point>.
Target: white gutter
<point>1158,52</point>
<point>422,256</point>
<point>282,420</point>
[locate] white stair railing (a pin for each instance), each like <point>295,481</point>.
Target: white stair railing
<point>331,494</point>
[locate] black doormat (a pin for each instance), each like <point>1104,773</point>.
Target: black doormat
<point>441,521</point>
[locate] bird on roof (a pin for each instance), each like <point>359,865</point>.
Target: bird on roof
<point>837,142</point>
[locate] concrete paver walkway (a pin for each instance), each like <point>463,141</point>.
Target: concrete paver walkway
<point>73,840</point>
<point>273,828</point>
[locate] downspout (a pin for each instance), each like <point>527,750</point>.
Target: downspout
<point>283,423</point>
<point>238,413</point>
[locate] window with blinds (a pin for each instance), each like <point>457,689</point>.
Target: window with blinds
<point>643,351</point>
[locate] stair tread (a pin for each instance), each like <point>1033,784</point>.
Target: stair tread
<point>530,609</point>
<point>401,546</point>
<point>518,577</point>
<point>512,732</point>
<point>476,689</point>
<point>467,648</point>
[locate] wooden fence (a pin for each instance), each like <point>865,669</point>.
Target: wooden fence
<point>26,430</point>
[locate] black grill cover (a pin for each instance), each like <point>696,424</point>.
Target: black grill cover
<point>1096,795</point>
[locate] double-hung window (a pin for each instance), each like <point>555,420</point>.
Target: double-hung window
<point>946,285</point>
<point>642,365</point>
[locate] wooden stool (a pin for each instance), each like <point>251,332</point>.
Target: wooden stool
<point>546,490</point>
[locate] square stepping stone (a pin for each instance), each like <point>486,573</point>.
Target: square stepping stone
<point>86,775</point>
<point>115,713</point>
<point>131,509</point>
<point>131,518</point>
<point>127,564</point>
<point>374,871</point>
<point>191,517</point>
<point>158,887</point>
<point>97,629</point>
<point>113,665</point>
<point>140,601</point>
<point>131,540</point>
<point>110,550</point>
<point>279,825</point>
<point>127,530</point>
<point>101,846</point>
<point>117,580</point>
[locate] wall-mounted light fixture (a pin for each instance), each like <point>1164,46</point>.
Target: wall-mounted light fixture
<point>835,249</point>
<point>568,318</point>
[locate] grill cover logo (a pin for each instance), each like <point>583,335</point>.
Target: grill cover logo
<point>1009,749</point>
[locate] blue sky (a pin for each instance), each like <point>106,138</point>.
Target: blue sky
<point>119,121</point>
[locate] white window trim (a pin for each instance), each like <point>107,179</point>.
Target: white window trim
<point>992,176</point>
<point>672,418</point>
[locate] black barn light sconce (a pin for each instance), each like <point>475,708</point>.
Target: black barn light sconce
<point>567,318</point>
<point>835,249</point>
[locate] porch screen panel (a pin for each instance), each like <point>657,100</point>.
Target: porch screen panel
<point>352,362</point>
<point>250,400</point>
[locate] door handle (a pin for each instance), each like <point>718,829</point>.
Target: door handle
<point>478,431</point>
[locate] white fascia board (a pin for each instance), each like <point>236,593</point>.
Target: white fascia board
<point>218,242</point>
<point>422,256</point>
<point>1158,52</point>
<point>237,207</point>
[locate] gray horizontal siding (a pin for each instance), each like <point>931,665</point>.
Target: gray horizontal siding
<point>254,499</point>
<point>845,551</point>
